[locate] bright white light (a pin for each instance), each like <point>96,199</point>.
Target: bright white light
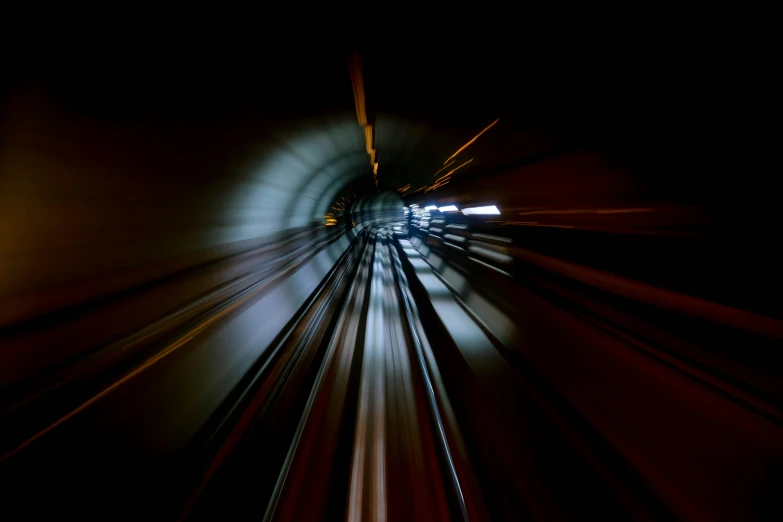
<point>448,208</point>
<point>491,209</point>
<point>431,207</point>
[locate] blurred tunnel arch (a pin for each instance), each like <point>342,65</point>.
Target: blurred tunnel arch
<point>114,175</point>
<point>296,184</point>
<point>89,208</point>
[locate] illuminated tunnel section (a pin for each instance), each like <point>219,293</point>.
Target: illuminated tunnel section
<point>71,217</point>
<point>118,238</point>
<point>82,229</point>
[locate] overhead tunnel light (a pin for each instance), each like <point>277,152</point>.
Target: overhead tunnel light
<point>431,207</point>
<point>490,209</point>
<point>448,208</point>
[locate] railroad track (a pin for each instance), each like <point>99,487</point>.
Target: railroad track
<point>349,416</point>
<point>379,394</point>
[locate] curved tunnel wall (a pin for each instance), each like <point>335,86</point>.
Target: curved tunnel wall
<point>88,208</point>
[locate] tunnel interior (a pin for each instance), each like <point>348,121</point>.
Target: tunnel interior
<point>226,275</point>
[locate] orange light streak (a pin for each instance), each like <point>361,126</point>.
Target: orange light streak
<point>471,141</point>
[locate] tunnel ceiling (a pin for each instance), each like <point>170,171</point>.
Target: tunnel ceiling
<point>287,123</point>
<point>118,157</point>
<point>279,134</point>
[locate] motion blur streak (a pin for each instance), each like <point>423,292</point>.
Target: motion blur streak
<point>214,307</point>
<point>468,144</point>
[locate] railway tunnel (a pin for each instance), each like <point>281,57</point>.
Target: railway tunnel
<point>338,285</point>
